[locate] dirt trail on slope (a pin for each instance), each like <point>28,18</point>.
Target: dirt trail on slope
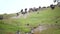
<point>38,29</point>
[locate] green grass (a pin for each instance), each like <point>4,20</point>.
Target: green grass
<point>47,16</point>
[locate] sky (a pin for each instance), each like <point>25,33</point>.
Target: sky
<point>14,6</point>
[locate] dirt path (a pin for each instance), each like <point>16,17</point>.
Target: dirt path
<point>38,29</point>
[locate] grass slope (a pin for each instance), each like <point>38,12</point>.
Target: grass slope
<point>47,16</point>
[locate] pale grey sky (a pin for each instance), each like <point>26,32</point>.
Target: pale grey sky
<point>13,6</point>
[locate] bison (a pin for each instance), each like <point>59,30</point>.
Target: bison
<point>52,6</point>
<point>17,14</point>
<point>21,10</point>
<point>25,10</point>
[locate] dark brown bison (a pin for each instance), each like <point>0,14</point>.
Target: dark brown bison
<point>17,14</point>
<point>31,9</point>
<point>21,10</point>
<point>35,9</point>
<point>52,6</point>
<point>39,7</point>
<point>25,10</point>
<point>23,13</point>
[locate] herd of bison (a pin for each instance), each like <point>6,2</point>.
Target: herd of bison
<point>32,10</point>
<point>35,9</point>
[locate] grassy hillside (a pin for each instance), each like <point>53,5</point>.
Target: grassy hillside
<point>47,16</point>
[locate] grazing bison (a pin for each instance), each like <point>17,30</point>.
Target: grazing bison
<point>17,14</point>
<point>35,9</point>
<point>31,9</point>
<point>39,7</point>
<point>52,6</point>
<point>1,17</point>
<point>25,10</point>
<point>23,13</point>
<point>21,10</point>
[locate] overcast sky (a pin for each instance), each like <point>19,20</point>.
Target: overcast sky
<point>13,6</point>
